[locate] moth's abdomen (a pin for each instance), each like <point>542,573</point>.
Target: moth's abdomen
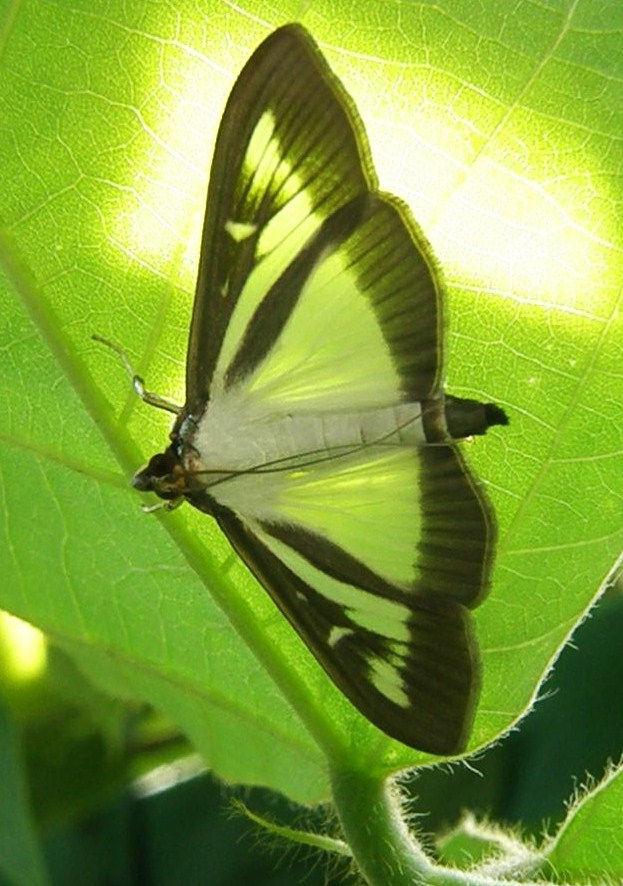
<point>467,417</point>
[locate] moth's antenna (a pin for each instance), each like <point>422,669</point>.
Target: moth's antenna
<point>138,384</point>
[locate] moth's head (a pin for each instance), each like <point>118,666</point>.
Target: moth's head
<point>164,475</point>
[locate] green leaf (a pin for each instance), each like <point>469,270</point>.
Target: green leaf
<point>500,127</point>
<point>588,845</point>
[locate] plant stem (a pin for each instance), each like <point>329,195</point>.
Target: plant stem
<point>372,820</point>
<point>384,849</point>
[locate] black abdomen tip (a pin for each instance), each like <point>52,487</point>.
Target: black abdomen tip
<point>495,415</point>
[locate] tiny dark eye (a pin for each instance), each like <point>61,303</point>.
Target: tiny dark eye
<point>160,465</point>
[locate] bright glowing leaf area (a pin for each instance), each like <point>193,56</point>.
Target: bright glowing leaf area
<point>500,127</point>
<point>23,649</point>
<point>517,211</point>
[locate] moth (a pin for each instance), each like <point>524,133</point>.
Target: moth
<point>316,430</point>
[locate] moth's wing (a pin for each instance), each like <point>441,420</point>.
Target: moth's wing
<point>353,321</point>
<point>376,559</point>
<point>290,150</point>
<point>374,556</point>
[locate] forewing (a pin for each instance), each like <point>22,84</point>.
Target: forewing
<point>297,241</point>
<point>375,559</point>
<point>290,150</point>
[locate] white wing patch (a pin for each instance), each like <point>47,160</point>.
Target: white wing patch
<point>364,609</point>
<point>350,368</point>
<point>385,676</point>
<point>266,166</point>
<point>385,617</point>
<point>336,634</point>
<point>240,231</point>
